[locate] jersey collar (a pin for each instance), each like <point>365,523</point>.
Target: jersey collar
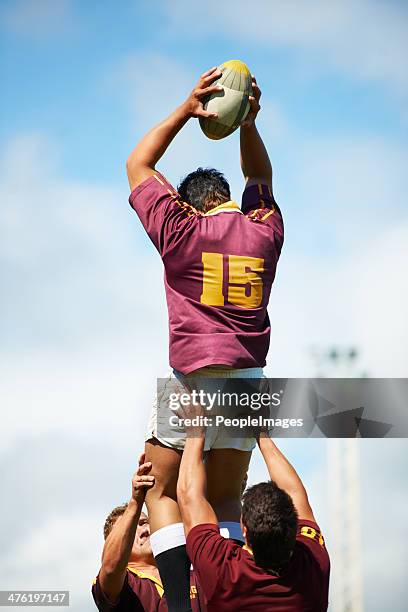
<point>230,206</point>
<point>141,574</point>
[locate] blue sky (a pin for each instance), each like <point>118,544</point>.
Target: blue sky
<point>83,325</point>
<point>59,76</point>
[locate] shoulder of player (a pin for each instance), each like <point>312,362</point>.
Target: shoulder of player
<point>101,598</point>
<point>158,185</point>
<point>261,214</point>
<point>309,530</point>
<point>222,549</point>
<point>199,535</point>
<point>310,541</point>
<point>202,530</point>
<point>258,202</point>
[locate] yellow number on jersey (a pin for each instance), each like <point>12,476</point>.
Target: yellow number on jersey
<point>244,271</point>
<point>245,284</point>
<point>212,279</point>
<point>311,533</point>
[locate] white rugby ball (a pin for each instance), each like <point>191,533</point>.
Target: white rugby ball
<point>231,103</point>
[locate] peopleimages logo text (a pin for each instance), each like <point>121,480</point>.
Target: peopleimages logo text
<point>207,400</point>
<point>239,422</point>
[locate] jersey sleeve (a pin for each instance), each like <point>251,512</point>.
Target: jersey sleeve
<point>207,550</point>
<point>310,536</point>
<point>127,599</point>
<point>259,206</point>
<point>102,602</point>
<point>161,211</point>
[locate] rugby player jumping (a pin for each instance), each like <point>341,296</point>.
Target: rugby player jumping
<point>220,262</point>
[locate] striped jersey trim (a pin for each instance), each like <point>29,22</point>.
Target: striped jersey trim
<point>158,179</point>
<point>230,206</point>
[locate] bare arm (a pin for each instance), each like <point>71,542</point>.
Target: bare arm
<point>141,162</point>
<point>191,486</point>
<point>285,476</point>
<point>118,545</point>
<point>255,162</point>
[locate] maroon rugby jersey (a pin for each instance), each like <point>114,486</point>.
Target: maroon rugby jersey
<point>230,580</point>
<point>219,269</point>
<point>142,593</point>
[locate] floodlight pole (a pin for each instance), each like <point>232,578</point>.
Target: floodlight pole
<point>345,536</point>
<point>343,468</point>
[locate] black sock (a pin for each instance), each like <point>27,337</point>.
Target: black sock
<point>174,568</point>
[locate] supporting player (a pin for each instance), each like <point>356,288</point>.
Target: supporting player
<point>220,262</point>
<point>284,563</point>
<point>129,580</point>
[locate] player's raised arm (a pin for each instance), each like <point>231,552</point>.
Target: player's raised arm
<point>255,162</point>
<point>285,476</point>
<point>192,483</point>
<point>141,162</point>
<point>118,545</point>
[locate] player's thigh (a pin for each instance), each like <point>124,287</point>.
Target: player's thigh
<point>165,467</point>
<point>226,472</point>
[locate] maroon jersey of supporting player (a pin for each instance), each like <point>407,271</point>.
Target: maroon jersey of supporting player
<point>219,269</point>
<point>141,592</point>
<point>230,579</point>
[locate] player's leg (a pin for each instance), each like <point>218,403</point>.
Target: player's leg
<point>167,532</point>
<point>161,500</point>
<point>226,472</point>
<point>228,458</point>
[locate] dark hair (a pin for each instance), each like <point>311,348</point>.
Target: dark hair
<point>204,189</point>
<point>271,519</point>
<point>112,518</point>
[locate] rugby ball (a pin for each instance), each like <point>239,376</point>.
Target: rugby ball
<point>231,103</point>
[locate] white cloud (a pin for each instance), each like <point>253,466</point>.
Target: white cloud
<point>359,299</point>
<point>81,393</point>
<point>38,19</point>
<point>363,38</point>
<point>341,279</point>
<point>273,123</point>
<point>357,182</point>
<point>63,554</point>
<point>384,497</point>
<point>380,323</point>
<point>74,256</point>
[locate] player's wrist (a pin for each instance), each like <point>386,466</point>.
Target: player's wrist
<point>195,438</point>
<point>135,503</point>
<point>250,125</point>
<point>185,109</point>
